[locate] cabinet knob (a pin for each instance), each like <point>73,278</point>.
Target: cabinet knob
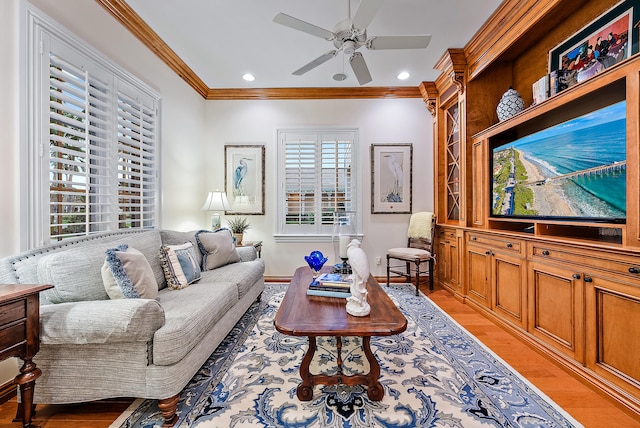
<point>488,253</point>
<point>634,270</point>
<point>545,252</point>
<point>473,238</point>
<point>588,279</point>
<point>576,276</point>
<point>509,245</point>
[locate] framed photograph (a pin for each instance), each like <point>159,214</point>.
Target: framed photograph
<point>603,42</point>
<point>391,178</point>
<point>244,178</point>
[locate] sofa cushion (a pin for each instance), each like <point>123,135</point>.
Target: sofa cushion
<point>189,315</point>
<point>217,248</point>
<point>180,265</point>
<point>76,273</point>
<point>127,274</point>
<point>244,275</point>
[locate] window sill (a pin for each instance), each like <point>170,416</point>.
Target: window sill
<point>306,238</point>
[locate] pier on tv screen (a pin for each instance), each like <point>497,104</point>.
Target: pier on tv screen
<point>573,170</point>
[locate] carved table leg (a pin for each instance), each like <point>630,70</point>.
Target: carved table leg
<point>374,390</point>
<point>27,380</point>
<point>305,389</point>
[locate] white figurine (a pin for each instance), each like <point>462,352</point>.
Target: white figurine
<point>357,304</point>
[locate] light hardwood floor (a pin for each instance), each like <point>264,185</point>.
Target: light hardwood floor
<point>586,405</point>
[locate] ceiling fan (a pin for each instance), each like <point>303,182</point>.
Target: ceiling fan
<point>350,35</point>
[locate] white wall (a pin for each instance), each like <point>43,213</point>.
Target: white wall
<point>182,111</point>
<point>378,121</point>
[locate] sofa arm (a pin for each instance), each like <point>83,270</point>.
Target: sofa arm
<point>100,321</point>
<point>247,253</point>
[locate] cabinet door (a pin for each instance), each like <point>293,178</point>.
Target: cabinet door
<point>453,272</point>
<point>555,301</point>
<point>479,270</point>
<point>448,260</point>
<point>612,313</point>
<point>509,288</point>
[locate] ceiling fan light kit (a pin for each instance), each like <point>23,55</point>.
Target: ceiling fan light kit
<point>350,35</point>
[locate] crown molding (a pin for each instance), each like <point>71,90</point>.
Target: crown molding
<point>313,93</point>
<point>120,10</point>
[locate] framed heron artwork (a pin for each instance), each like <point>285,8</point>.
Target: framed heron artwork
<point>244,178</point>
<point>391,178</point>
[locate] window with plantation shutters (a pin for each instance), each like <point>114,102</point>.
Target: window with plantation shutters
<point>97,138</point>
<point>318,178</point>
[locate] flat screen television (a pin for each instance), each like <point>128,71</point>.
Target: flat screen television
<point>574,171</point>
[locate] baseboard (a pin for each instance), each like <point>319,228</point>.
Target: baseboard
<point>7,391</point>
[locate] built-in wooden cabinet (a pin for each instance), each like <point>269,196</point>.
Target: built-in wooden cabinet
<point>569,288</point>
<point>497,276</point>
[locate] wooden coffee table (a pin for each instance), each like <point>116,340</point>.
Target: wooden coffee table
<point>313,316</point>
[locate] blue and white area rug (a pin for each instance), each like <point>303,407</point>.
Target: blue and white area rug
<point>435,374</point>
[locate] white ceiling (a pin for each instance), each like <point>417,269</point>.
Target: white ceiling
<point>223,39</point>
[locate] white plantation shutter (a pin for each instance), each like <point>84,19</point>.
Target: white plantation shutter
<point>102,130</point>
<point>136,163</point>
<point>318,171</point>
<point>78,156</point>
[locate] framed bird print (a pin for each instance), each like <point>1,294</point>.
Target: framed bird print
<point>244,178</point>
<point>391,178</point>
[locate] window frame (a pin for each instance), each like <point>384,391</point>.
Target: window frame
<point>44,35</point>
<point>315,232</point>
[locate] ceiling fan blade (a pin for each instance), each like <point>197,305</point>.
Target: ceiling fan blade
<point>365,13</point>
<point>300,25</point>
<point>360,68</point>
<point>316,62</point>
<point>398,42</point>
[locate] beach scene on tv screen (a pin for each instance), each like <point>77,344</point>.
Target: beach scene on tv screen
<point>576,169</point>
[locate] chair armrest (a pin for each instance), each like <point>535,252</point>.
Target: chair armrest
<point>100,321</point>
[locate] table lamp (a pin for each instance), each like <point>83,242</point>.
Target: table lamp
<point>216,201</point>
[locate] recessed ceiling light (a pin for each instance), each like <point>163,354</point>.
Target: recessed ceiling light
<point>403,75</point>
<point>249,77</point>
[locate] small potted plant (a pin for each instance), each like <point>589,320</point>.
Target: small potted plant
<point>238,226</point>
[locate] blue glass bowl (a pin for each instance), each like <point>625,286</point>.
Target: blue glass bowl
<point>316,260</point>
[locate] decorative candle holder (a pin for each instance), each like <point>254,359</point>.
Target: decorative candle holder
<point>343,232</point>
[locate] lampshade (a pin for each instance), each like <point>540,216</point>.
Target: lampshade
<point>216,201</point>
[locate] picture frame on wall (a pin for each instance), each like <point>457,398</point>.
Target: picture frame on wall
<point>391,178</point>
<point>604,42</point>
<point>244,178</point>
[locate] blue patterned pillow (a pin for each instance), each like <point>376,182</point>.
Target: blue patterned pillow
<point>127,274</point>
<point>180,265</point>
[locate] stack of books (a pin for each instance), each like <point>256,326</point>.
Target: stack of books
<point>331,285</point>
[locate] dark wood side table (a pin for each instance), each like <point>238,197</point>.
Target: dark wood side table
<point>20,337</point>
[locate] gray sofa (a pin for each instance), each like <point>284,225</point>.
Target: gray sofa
<point>93,347</point>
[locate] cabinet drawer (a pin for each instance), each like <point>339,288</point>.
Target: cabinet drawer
<point>12,312</point>
<point>616,263</point>
<point>495,243</point>
<point>447,233</point>
<point>12,336</point>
